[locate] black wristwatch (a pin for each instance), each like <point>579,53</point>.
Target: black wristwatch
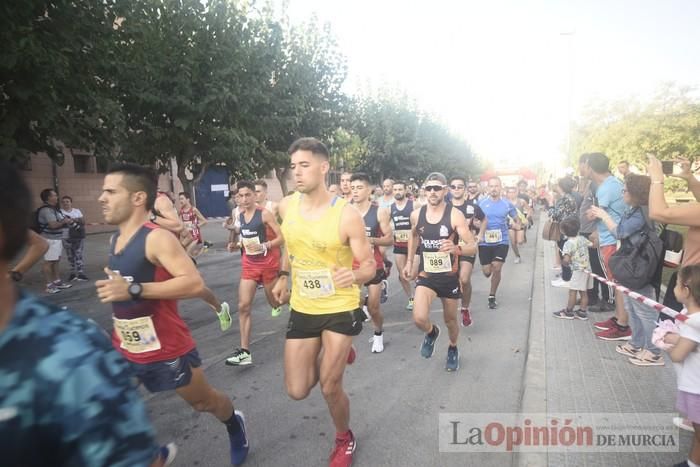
<point>135,290</point>
<point>16,276</point>
<point>282,274</point>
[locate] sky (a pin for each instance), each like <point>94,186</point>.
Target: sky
<point>507,74</point>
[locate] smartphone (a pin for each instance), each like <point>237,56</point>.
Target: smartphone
<point>667,167</point>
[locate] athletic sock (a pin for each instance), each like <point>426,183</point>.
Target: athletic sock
<point>342,436</point>
<point>378,333</point>
<point>433,332</point>
<point>232,424</point>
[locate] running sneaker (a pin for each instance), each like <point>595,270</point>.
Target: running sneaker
<point>684,424</point>
<point>224,316</point>
<point>615,334</point>
<point>517,260</point>
<point>72,277</point>
<point>646,358</point>
<point>466,317</point>
<point>168,452</point>
<point>409,306</point>
<point>62,285</point>
<point>387,267</point>
<point>560,283</point>
<point>82,277</point>
<point>239,441</point>
<point>452,363</point>
<point>428,346</point>
<point>492,302</point>
<point>365,310</point>
<point>345,446</point>
<point>581,314</point>
<point>605,325</point>
<point>52,289</point>
<point>351,355</point>
<point>275,312</point>
<point>564,313</point>
<point>239,357</point>
<point>377,343</point>
<point>385,291</point>
<point>627,350</point>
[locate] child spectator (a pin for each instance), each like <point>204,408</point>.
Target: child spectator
<point>575,255</point>
<point>686,356</point>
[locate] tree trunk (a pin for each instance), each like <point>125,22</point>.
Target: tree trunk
<point>281,175</point>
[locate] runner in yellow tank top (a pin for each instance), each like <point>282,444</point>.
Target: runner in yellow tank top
<point>323,234</point>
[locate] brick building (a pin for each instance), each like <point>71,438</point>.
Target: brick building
<point>80,177</point>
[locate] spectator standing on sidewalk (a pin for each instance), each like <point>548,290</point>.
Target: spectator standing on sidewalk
<point>634,221</point>
<point>586,189</point>
<point>565,206</point>
<point>51,224</point>
<point>575,255</point>
<point>609,198</point>
<point>74,239</point>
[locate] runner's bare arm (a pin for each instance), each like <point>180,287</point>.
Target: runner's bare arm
<point>202,220</point>
<point>482,229</point>
<point>36,247</point>
<point>270,221</point>
<point>167,215</point>
<point>352,232</point>
<point>163,249</point>
<point>384,218</point>
<point>412,238</point>
<point>459,222</point>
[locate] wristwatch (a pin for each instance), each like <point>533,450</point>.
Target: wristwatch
<point>16,276</point>
<point>282,274</point>
<point>135,290</point>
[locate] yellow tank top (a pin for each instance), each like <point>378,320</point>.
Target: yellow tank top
<point>314,247</point>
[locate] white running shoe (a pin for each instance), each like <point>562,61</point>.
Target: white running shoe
<point>377,343</point>
<point>517,260</point>
<point>560,283</point>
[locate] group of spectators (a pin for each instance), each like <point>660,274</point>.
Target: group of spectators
<point>600,213</point>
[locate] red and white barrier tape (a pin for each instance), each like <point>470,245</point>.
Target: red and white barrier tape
<point>641,298</point>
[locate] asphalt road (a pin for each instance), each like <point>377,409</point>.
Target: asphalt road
<point>396,396</point>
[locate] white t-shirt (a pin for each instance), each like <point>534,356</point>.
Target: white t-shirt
<point>73,214</point>
<point>689,369</point>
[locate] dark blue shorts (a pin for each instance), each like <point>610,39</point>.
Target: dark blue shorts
<point>167,375</point>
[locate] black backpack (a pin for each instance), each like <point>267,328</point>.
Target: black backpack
<point>637,261</point>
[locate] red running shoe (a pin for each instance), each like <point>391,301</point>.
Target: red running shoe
<point>341,456</point>
<point>605,325</point>
<point>615,334</point>
<point>466,318</point>
<point>352,355</point>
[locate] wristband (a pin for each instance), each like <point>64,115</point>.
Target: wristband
<point>282,274</point>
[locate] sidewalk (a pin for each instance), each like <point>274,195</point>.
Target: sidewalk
<point>569,370</point>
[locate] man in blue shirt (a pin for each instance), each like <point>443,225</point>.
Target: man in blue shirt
<point>493,235</point>
<point>66,396</point>
<point>609,198</point>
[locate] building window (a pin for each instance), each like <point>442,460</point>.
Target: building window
<point>82,163</point>
<point>101,164</point>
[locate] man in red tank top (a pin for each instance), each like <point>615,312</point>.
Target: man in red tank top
<point>260,241</point>
<point>191,217</point>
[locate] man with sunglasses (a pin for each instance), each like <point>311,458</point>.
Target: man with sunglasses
<point>493,235</point>
<point>471,210</point>
<point>437,228</point>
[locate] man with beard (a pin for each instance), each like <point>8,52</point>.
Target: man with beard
<point>401,211</point>
<point>437,228</point>
<point>345,192</point>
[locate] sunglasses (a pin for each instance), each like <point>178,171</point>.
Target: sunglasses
<point>457,187</point>
<point>434,188</point>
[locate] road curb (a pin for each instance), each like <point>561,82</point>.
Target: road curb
<point>533,398</point>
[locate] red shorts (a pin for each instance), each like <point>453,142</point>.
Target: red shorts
<point>260,275</point>
<point>606,252</point>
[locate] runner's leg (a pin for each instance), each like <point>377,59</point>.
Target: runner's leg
<point>336,348</point>
<point>421,308</point>
<point>374,293</point>
<point>246,294</point>
<point>400,264</point>
<point>204,398</point>
<point>465,280</point>
<point>496,267</point>
<point>449,311</point>
<point>301,370</point>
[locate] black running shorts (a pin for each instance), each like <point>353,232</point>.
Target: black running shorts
<point>378,277</point>
<point>304,326</point>
<point>492,253</point>
<point>444,285</point>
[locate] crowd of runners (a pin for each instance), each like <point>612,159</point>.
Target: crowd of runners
<point>326,252</point>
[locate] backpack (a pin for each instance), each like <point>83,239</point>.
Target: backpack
<point>635,264</point>
<point>34,224</point>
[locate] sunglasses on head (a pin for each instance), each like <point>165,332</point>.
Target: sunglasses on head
<point>434,188</point>
<point>457,187</point>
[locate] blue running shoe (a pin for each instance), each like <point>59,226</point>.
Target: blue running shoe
<point>452,359</point>
<point>239,442</point>
<point>428,347</point>
<point>168,453</point>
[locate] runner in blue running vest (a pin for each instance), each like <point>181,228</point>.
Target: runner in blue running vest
<point>493,235</point>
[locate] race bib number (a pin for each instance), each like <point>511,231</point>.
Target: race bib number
<point>436,262</point>
<point>189,225</point>
<point>138,335</point>
<point>493,236</point>
<point>315,284</point>
<point>470,210</point>
<point>252,246</point>
<point>401,236</point>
